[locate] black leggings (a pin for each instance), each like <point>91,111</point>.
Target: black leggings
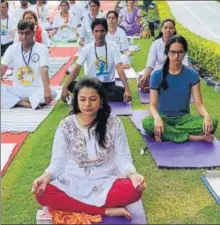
<point>4,47</point>
<point>114,93</point>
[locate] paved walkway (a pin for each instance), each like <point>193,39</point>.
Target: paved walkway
<point>201,17</point>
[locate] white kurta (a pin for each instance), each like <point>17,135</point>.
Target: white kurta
<point>120,38</point>
<point>84,170</point>
<point>27,81</point>
<point>157,57</point>
<point>66,31</point>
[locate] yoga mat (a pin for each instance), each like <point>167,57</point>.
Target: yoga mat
<point>6,151</point>
<point>8,138</point>
<point>136,210</point>
<point>24,119</point>
<point>121,108</point>
<point>130,73</point>
<point>191,154</point>
<point>145,97</point>
<point>137,117</point>
<point>64,44</point>
<point>211,179</point>
<point>62,52</point>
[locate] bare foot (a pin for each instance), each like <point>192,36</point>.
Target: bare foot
<point>118,212</point>
<point>208,138</point>
<point>25,104</point>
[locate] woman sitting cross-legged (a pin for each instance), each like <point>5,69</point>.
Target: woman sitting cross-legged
<point>170,91</point>
<point>65,27</point>
<point>130,18</point>
<point>91,168</point>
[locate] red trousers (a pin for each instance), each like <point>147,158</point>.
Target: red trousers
<point>121,194</point>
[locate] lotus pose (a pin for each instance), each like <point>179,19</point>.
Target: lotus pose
<point>91,168</point>
<point>170,91</point>
<point>130,18</point>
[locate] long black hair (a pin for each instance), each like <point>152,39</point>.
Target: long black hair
<point>162,24</point>
<point>103,112</point>
<point>165,69</point>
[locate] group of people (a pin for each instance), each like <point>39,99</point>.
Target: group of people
<point>91,168</point>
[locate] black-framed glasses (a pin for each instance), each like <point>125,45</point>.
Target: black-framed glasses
<point>179,53</point>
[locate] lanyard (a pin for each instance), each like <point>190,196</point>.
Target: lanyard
<point>29,57</point>
<point>38,12</point>
<point>106,55</point>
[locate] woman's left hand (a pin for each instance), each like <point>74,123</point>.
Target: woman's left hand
<point>207,125</point>
<point>138,181</point>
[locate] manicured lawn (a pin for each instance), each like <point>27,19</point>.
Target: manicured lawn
<point>172,196</point>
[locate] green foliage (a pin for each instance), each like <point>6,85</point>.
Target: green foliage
<point>205,52</point>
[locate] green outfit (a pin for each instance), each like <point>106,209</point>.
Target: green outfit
<point>178,129</point>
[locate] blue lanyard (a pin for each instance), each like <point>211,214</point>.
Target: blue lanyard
<point>29,57</point>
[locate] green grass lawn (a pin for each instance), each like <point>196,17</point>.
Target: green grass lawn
<point>172,196</point>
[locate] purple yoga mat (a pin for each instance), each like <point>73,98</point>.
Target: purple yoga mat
<point>121,108</point>
<point>191,154</point>
<point>137,117</point>
<point>137,212</point>
<point>145,97</point>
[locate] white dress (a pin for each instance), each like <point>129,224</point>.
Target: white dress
<point>84,170</point>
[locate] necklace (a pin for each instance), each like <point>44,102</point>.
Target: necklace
<point>106,55</point>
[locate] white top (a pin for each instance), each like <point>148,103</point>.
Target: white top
<point>26,76</point>
<point>44,38</point>
<point>17,15</point>
<point>84,170</point>
<point>7,30</point>
<point>157,57</point>
<point>98,68</point>
<point>120,38</point>
<point>77,13</point>
<point>59,22</point>
<point>85,29</point>
<point>41,12</point>
<point>84,6</point>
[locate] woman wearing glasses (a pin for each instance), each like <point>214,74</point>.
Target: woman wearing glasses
<point>170,91</point>
<point>156,55</point>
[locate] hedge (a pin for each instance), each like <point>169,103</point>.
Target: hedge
<point>205,52</point>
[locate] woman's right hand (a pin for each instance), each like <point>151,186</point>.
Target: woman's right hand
<point>158,128</point>
<point>40,184</point>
